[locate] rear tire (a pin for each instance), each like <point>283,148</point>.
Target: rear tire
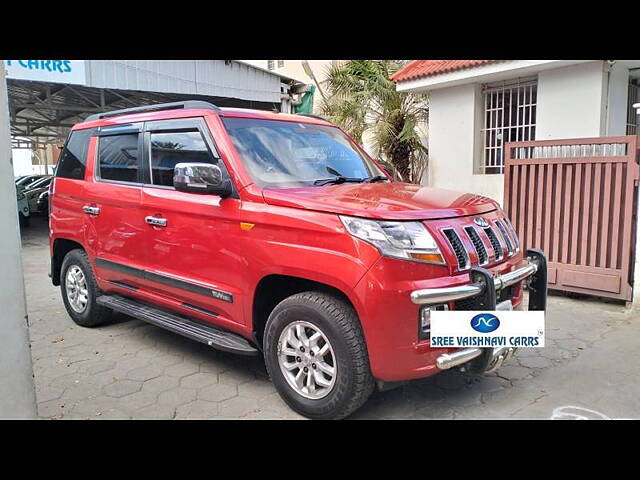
<point>331,321</point>
<point>80,290</point>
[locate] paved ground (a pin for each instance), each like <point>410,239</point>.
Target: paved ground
<point>129,369</point>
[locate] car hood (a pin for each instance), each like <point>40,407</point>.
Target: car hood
<point>385,200</point>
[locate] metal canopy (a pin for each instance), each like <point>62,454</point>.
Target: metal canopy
<point>42,113</point>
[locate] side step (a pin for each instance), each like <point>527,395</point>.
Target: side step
<point>212,336</point>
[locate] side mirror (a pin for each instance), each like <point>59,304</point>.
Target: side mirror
<point>201,178</point>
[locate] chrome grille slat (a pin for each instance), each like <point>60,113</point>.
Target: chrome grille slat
<point>505,237</point>
<point>495,243</point>
<point>481,251</point>
<point>514,235</point>
<point>458,248</point>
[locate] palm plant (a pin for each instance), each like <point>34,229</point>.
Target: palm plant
<point>362,100</point>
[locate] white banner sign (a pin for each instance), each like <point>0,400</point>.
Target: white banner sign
<point>467,329</point>
<point>57,71</point>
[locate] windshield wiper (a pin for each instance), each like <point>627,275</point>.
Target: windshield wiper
<point>376,178</point>
<point>338,179</point>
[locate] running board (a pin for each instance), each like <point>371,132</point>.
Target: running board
<point>212,336</point>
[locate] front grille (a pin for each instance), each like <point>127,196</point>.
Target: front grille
<point>505,237</point>
<point>471,303</point>
<point>514,235</point>
<point>495,243</point>
<point>496,249</point>
<point>478,245</point>
<point>458,248</point>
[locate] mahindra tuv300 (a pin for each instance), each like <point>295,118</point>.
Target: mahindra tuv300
<point>271,234</point>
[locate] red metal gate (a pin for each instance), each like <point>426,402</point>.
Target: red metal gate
<point>575,200</point>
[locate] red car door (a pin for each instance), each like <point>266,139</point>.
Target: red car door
<point>112,207</point>
<point>187,234</point>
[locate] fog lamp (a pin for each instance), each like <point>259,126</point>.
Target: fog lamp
<point>424,320</point>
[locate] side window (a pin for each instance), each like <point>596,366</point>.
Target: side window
<point>170,148</point>
<point>73,158</point>
<point>118,157</point>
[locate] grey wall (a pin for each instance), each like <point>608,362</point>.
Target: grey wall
<point>199,77</point>
<point>17,396</point>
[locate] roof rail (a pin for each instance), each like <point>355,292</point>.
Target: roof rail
<point>154,108</point>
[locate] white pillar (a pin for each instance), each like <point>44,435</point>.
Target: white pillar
<point>17,395</point>
<point>636,271</point>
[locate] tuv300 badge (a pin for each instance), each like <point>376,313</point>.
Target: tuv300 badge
<point>487,329</point>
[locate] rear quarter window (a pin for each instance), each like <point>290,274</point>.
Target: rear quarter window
<point>118,157</point>
<point>73,159</point>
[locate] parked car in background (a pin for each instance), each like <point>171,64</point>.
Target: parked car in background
<point>271,234</point>
<point>43,202</point>
<point>34,190</point>
<point>23,208</point>
<point>25,181</point>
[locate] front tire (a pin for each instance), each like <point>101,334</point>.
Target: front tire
<point>316,355</point>
<point>80,290</point>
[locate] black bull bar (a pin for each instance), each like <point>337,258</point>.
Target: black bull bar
<point>482,290</point>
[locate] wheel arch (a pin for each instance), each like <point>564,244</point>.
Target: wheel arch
<point>273,288</point>
<point>61,246</point>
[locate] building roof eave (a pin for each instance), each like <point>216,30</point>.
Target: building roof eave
<point>488,72</point>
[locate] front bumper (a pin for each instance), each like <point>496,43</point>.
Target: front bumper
<point>497,356</point>
<point>483,288</point>
<point>390,318</point>
<point>482,282</point>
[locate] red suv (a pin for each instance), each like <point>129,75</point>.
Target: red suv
<point>271,234</point>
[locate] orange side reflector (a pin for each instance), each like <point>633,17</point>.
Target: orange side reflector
<point>246,226</point>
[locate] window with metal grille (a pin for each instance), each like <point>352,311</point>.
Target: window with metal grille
<point>632,116</point>
<point>271,64</point>
<point>280,63</point>
<point>509,116</point>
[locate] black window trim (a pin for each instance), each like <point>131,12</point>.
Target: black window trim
<point>92,133</point>
<point>126,129</point>
<point>178,125</point>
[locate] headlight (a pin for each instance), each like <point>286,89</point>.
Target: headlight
<point>407,240</point>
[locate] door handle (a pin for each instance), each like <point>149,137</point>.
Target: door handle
<point>91,210</point>
<point>156,221</point>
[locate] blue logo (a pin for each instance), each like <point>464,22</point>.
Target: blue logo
<point>485,323</point>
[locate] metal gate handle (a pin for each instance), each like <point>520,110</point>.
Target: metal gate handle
<point>91,210</point>
<point>156,221</point>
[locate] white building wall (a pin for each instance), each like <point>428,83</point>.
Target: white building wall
<point>17,395</point>
<point>617,86</point>
<point>571,102</point>
<point>577,101</point>
<point>454,135</point>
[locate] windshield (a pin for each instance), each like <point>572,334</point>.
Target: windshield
<point>289,154</point>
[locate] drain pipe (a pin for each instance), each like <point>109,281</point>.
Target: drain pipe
<point>289,96</point>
